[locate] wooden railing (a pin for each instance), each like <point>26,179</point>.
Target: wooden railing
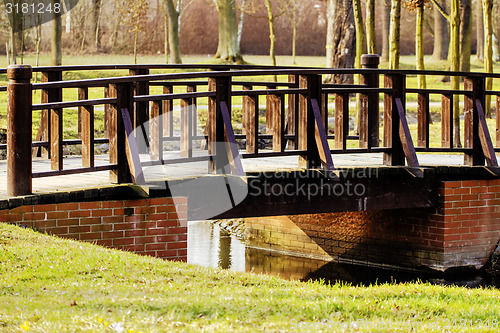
<point>296,118</point>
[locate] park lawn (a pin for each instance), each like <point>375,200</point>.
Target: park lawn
<point>49,284</point>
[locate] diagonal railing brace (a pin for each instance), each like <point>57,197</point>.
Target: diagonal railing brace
<point>405,136</point>
<point>485,138</point>
<point>321,138</point>
<point>234,159</point>
<point>131,150</point>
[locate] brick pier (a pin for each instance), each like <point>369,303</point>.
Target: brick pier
<point>153,226</point>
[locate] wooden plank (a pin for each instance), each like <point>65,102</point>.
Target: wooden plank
<point>405,137</point>
<point>484,136</point>
<point>447,121</point>
<point>186,131</point>
<point>251,121</point>
<point>341,120</point>
<point>107,115</point>
<point>278,121</point>
<point>87,129</point>
<point>134,162</point>
<point>321,138</point>
<point>292,114</point>
<point>141,110</point>
<point>168,107</point>
<point>47,96</point>
<point>233,153</point>
<point>191,88</point>
<point>56,139</point>
<point>270,106</point>
<point>471,120</point>
<point>423,121</point>
<point>156,129</point>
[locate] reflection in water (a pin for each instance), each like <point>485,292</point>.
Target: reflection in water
<point>210,246</point>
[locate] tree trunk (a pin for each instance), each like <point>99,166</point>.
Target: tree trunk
<point>56,48</point>
<point>294,32</point>
<point>136,38</point>
<point>228,48</point>
<point>96,10</point>
<point>386,18</point>
<point>394,34</point>
<point>341,39</point>
<point>419,43</point>
<point>465,35</point>
<point>455,64</point>
<point>272,36</point>
<point>173,32</point>
<point>441,36</point>
<point>479,31</point>
<point>371,38</point>
<point>360,33</point>
<point>240,23</point>
<point>16,31</point>
<point>488,49</point>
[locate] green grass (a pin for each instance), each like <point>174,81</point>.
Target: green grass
<point>55,285</point>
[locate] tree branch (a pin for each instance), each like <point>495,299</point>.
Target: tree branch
<point>441,10</point>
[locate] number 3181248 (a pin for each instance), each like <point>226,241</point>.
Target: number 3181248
<point>32,8</point>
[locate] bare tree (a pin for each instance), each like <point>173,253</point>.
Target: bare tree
<point>341,38</point>
<point>441,36</point>
<point>134,15</point>
<point>394,34</point>
<point>172,30</point>
<point>386,17</point>
<point>228,48</point>
<point>371,38</point>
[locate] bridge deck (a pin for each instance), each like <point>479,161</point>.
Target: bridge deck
<point>75,182</point>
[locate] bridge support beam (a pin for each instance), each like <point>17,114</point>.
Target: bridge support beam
<point>19,118</point>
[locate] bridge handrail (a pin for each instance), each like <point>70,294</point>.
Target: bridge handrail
<point>291,128</point>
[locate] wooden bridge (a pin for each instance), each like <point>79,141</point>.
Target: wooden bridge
<point>296,119</point>
<point>209,123</point>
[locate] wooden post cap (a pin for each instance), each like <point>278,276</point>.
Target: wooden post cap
<point>370,60</point>
<point>19,72</point>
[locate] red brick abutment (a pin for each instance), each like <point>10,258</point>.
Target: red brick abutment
<point>438,218</point>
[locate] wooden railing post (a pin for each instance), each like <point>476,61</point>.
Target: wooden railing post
<point>251,120</point>
<point>307,124</point>
<point>19,127</point>
<point>369,104</point>
<point>141,111</point>
<point>219,162</point>
<point>292,116</point>
<point>123,92</point>
<point>86,115</point>
<point>471,120</point>
<point>447,121</point>
<point>392,123</point>
<point>47,96</point>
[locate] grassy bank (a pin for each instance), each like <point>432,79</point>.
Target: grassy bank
<point>54,285</point>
